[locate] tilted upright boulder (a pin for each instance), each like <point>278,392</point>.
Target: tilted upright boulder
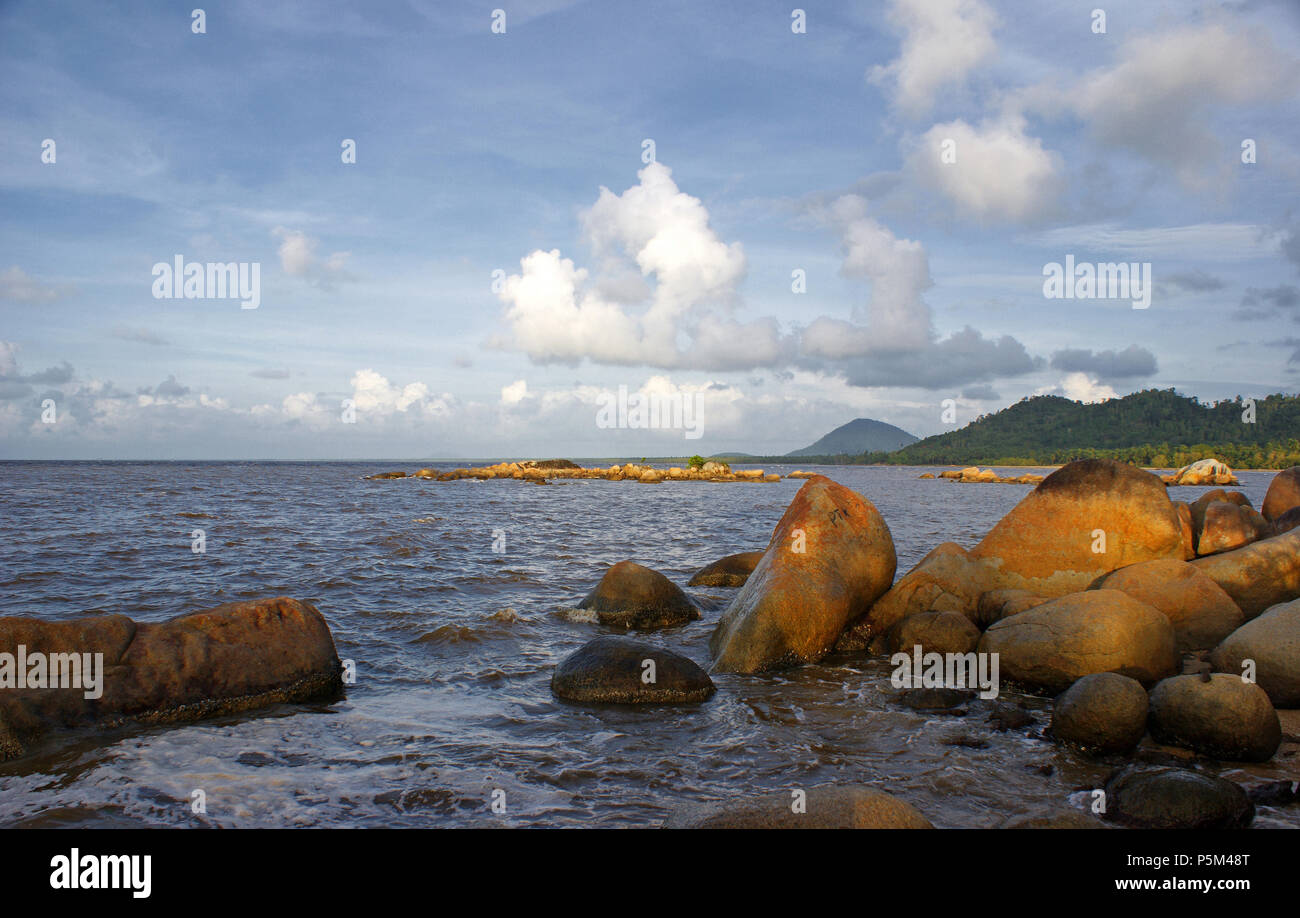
<point>830,557</point>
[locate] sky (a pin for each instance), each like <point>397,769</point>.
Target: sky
<point>471,225</point>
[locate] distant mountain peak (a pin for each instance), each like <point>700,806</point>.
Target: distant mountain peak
<point>861,435</point>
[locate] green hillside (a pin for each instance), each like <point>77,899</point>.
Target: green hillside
<point>1156,427</point>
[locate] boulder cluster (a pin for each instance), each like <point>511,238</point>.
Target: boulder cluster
<point>1146,619</point>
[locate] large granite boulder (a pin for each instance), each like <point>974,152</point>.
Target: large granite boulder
<point>1220,716</point>
<point>825,807</point>
<point>1164,797</point>
<point>236,657</point>
<point>1283,493</point>
<point>1049,647</point>
<point>1272,641</point>
<point>1104,712</point>
<point>1200,611</point>
<point>1260,575</point>
<point>731,571</point>
<point>633,596</point>
<point>831,556</point>
<point>619,670</point>
<point>1085,519</point>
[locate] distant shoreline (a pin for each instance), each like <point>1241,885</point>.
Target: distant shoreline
<point>821,462</point>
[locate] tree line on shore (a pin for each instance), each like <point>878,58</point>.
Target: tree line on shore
<point>1157,428</point>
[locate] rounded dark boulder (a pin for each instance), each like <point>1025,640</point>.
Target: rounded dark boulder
<point>1103,712</point>
<point>1165,797</point>
<point>1221,716</point>
<point>731,571</point>
<point>620,670</point>
<point>633,596</point>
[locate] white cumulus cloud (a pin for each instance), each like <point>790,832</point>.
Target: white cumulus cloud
<point>943,42</point>
<point>997,172</point>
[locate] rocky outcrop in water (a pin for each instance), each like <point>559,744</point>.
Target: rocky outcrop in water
<point>830,557</point>
<point>232,658</point>
<point>563,469</point>
<point>976,474</point>
<point>1203,472</point>
<point>619,670</point>
<point>633,596</point>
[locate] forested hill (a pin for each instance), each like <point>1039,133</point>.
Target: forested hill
<point>1156,427</point>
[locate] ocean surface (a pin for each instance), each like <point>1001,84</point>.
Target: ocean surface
<point>454,645</point>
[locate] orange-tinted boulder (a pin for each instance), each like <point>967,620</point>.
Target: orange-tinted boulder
<point>1260,575</point>
<point>235,657</point>
<point>1051,646</point>
<point>1184,511</point>
<point>934,632</point>
<point>1200,611</point>
<point>831,556</point>
<point>1271,642</point>
<point>1283,493</point>
<point>1228,526</point>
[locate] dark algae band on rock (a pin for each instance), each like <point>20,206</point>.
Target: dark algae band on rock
<point>235,657</point>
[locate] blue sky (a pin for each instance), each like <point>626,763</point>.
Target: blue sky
<point>775,151</point>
